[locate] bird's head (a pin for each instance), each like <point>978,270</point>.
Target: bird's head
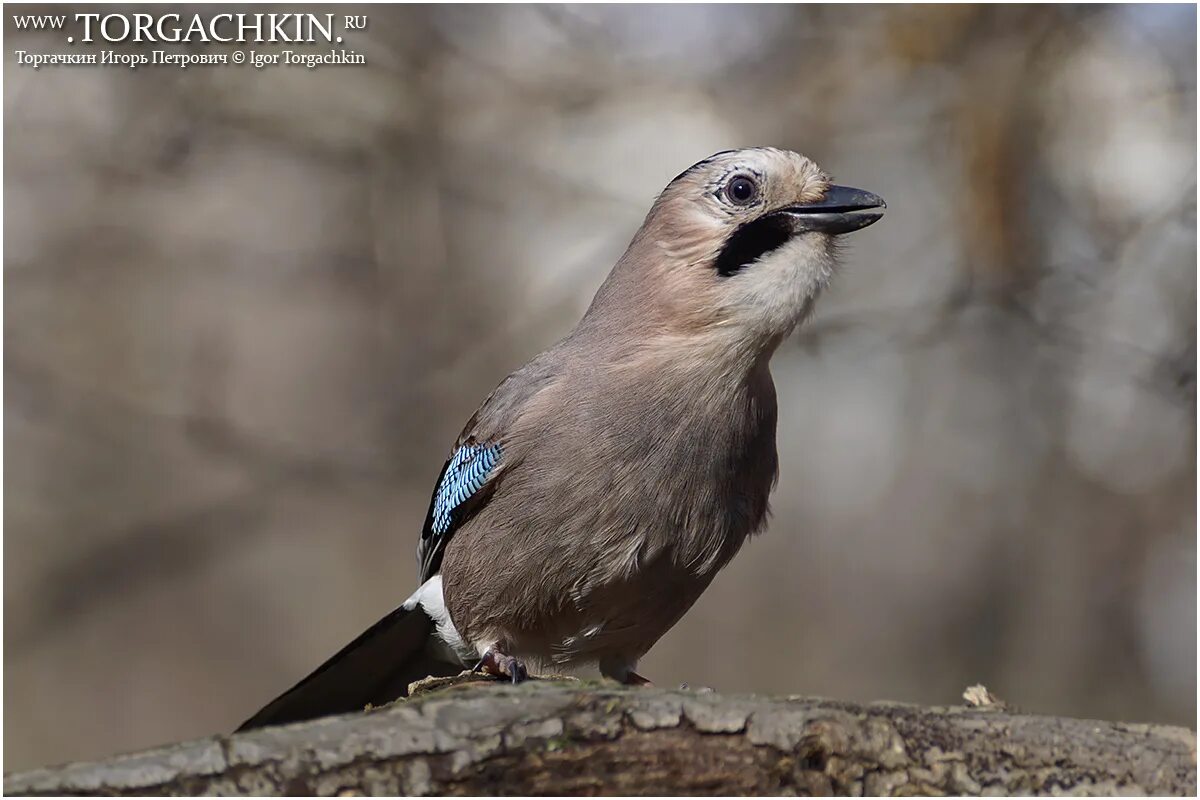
<point>740,243</point>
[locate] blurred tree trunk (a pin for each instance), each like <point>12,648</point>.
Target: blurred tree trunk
<point>547,738</point>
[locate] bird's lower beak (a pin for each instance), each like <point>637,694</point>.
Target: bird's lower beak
<point>841,210</point>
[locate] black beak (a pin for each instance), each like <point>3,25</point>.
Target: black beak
<point>841,210</point>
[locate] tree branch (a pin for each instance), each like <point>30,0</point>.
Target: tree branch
<point>580,738</point>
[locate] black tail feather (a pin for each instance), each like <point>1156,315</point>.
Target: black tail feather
<point>374,669</point>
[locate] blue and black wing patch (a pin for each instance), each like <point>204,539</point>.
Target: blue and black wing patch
<point>460,487</point>
<point>464,475</point>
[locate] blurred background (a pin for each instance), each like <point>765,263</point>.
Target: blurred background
<point>247,312</point>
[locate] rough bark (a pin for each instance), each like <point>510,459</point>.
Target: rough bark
<point>579,738</point>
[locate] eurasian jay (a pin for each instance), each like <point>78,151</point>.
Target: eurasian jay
<point>600,488</point>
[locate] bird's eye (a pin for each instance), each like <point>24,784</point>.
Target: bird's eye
<point>741,190</point>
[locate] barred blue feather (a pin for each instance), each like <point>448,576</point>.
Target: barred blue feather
<point>463,476</point>
<point>467,472</point>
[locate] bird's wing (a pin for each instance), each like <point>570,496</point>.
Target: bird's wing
<point>464,485</point>
<point>483,453</point>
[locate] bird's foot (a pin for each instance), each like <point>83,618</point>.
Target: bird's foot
<point>501,665</point>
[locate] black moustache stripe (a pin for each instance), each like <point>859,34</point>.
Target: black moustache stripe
<point>751,241</point>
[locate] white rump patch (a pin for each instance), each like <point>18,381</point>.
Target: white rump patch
<point>429,598</point>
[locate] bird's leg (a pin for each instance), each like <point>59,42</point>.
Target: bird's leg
<point>499,664</point>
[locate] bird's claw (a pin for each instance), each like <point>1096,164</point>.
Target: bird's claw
<point>502,666</point>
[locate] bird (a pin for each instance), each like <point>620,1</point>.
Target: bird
<point>601,487</point>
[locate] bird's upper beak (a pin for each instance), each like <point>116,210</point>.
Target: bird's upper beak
<point>841,210</point>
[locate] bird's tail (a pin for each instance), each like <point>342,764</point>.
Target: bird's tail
<point>375,668</point>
